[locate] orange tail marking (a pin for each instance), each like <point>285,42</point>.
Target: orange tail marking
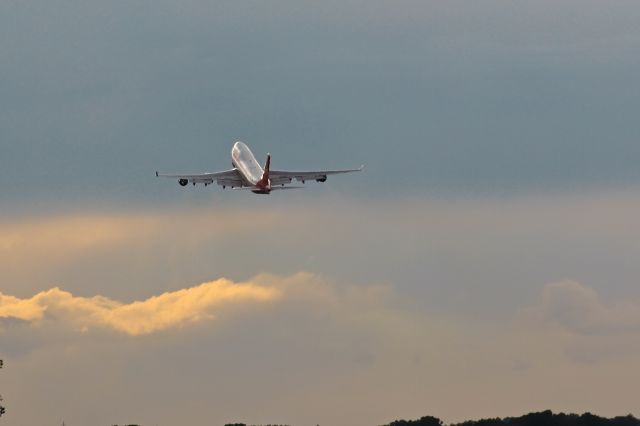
<point>266,167</point>
<point>264,182</point>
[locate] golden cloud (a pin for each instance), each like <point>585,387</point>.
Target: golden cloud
<point>81,232</point>
<point>157,313</point>
<point>67,236</point>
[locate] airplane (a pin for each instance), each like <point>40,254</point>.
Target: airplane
<point>247,174</point>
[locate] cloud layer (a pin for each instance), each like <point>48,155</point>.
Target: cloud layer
<point>157,313</point>
<point>579,309</point>
<point>276,335</point>
<point>411,307</point>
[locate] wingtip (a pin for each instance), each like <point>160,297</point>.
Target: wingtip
<point>361,167</point>
<point>156,173</point>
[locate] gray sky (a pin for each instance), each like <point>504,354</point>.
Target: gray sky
<point>489,248</point>
<point>460,96</point>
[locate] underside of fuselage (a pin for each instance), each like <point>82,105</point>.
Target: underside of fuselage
<point>261,191</point>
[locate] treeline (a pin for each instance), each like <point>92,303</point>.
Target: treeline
<point>544,418</point>
<point>244,424</point>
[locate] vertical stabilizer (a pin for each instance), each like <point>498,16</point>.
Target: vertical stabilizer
<point>266,167</point>
<point>264,183</point>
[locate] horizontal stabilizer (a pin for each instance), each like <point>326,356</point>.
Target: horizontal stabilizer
<point>279,188</point>
<point>274,188</point>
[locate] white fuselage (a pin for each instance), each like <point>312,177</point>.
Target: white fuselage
<point>243,159</point>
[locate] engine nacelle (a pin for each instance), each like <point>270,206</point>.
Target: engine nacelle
<point>183,182</point>
<point>322,179</point>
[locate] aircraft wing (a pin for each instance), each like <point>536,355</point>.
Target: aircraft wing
<point>279,177</point>
<point>226,178</point>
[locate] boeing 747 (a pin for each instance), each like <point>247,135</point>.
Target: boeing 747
<point>247,174</point>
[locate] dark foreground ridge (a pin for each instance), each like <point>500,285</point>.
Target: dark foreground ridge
<point>543,418</point>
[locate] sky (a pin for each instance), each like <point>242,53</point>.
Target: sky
<point>483,264</point>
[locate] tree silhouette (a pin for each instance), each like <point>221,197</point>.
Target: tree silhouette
<point>1,407</point>
<point>423,421</point>
<point>543,418</point>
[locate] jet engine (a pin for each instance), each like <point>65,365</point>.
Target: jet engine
<point>322,179</point>
<point>183,182</point>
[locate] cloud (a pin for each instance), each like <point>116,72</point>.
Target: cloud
<point>157,313</point>
<point>80,231</point>
<point>303,292</point>
<point>40,252</point>
<point>447,253</point>
<point>68,235</point>
<point>302,340</point>
<point>579,309</point>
